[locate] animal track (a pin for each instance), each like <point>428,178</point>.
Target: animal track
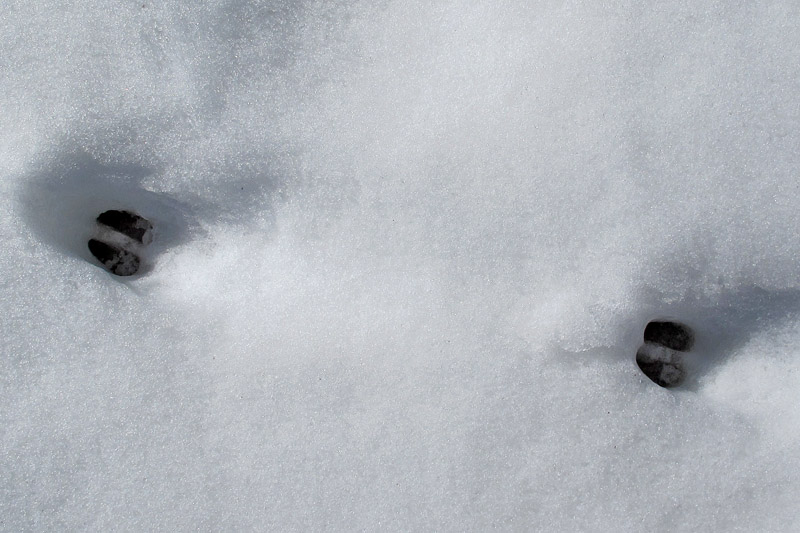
<point>659,358</point>
<point>118,240</point>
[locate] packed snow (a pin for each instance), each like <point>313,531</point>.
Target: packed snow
<point>403,255</point>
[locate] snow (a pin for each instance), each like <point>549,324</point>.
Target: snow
<point>403,257</point>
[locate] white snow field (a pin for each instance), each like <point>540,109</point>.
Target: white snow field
<point>403,256</point>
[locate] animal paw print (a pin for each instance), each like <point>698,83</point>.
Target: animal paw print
<point>659,358</point>
<point>119,239</point>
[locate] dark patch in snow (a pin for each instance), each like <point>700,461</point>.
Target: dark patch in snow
<point>116,260</point>
<point>663,369</point>
<point>127,223</point>
<point>118,241</point>
<point>672,335</point>
<point>659,358</point>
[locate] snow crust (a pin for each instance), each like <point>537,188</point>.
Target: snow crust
<point>404,253</point>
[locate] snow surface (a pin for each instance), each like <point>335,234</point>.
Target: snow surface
<point>404,254</point>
